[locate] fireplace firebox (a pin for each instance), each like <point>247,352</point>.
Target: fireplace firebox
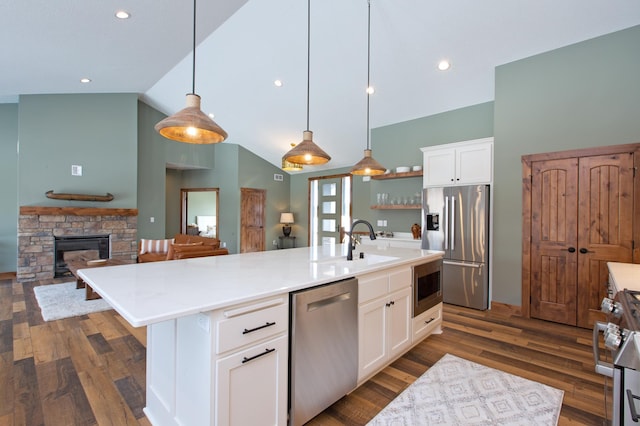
<point>75,243</point>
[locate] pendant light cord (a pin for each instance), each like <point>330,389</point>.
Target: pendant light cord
<point>368,66</point>
<point>193,72</point>
<point>308,55</point>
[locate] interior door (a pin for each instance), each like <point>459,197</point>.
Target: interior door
<point>581,216</point>
<point>252,217</point>
<point>605,224</point>
<point>553,240</point>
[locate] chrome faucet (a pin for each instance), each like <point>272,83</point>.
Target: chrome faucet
<point>372,235</point>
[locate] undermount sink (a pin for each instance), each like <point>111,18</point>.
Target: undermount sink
<point>369,259</point>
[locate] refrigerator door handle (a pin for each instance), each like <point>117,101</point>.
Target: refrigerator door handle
<point>446,223</point>
<point>467,265</point>
<point>453,223</point>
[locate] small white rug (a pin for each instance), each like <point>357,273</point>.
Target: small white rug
<point>59,301</point>
<point>455,391</point>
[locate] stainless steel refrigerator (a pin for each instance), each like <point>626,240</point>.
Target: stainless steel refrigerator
<point>456,221</point>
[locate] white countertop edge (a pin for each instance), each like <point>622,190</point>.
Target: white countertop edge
<point>624,275</point>
<point>120,286</point>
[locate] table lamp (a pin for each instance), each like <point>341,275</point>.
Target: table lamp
<point>286,219</point>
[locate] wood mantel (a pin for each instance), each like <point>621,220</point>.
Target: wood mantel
<point>76,211</point>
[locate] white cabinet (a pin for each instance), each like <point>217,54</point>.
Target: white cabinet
<point>384,319</point>
<point>252,385</point>
<point>207,368</point>
<point>459,163</point>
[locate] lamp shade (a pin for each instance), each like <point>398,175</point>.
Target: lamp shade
<point>368,166</point>
<point>286,218</point>
<point>191,125</point>
<point>307,152</point>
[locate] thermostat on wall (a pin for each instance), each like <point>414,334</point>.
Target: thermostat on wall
<point>76,170</point>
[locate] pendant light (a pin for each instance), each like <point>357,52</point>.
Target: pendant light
<point>190,124</point>
<point>368,166</point>
<point>288,166</point>
<point>307,152</point>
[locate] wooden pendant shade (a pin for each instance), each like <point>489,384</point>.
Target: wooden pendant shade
<point>191,125</point>
<point>368,166</point>
<point>307,152</point>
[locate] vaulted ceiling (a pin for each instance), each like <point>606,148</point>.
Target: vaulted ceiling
<point>245,45</point>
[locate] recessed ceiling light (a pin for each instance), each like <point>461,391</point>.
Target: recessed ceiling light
<point>371,90</point>
<point>121,14</point>
<point>444,65</point>
<point>212,115</point>
<point>85,80</point>
<point>278,83</point>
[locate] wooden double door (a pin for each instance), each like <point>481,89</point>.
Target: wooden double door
<point>578,214</point>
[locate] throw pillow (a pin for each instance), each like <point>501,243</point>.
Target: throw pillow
<point>154,246</point>
<point>172,248</point>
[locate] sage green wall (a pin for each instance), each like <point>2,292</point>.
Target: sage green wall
<point>396,145</point>
<point>399,145</point>
<point>96,131</point>
<point>256,173</point>
<point>155,185</point>
<point>234,168</point>
<point>8,187</point>
<point>583,95</point>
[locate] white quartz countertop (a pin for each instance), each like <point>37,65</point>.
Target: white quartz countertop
<point>624,275</point>
<point>147,293</point>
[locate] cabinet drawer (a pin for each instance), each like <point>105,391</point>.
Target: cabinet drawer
<point>241,329</point>
<point>427,322</point>
<point>399,279</point>
<point>372,286</point>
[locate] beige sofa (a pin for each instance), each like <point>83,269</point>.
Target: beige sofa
<point>182,246</point>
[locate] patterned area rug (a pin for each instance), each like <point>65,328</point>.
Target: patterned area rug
<point>59,301</point>
<point>455,391</point>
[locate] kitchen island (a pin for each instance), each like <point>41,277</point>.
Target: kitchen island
<point>200,368</point>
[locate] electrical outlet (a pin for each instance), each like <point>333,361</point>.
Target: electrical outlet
<point>152,219</point>
<point>76,170</point>
<point>275,243</point>
<point>278,177</point>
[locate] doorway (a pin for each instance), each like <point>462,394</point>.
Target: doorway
<point>252,218</point>
<point>199,212</point>
<point>329,208</point>
<point>578,214</point>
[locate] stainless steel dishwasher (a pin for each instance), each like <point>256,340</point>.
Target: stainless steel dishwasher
<point>323,348</point>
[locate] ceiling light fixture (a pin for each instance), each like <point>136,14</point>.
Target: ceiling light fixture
<point>278,83</point>
<point>307,152</point>
<point>288,166</point>
<point>368,166</point>
<point>122,14</point>
<point>444,65</point>
<point>190,124</point>
<point>85,80</point>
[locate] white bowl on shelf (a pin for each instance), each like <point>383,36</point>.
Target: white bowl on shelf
<point>402,169</point>
<point>416,168</point>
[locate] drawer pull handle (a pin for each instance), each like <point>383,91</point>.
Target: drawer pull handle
<point>429,320</point>
<point>268,324</point>
<point>266,351</point>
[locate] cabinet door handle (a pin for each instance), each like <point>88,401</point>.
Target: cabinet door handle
<point>429,320</point>
<point>266,351</point>
<point>268,324</point>
<point>390,303</point>
<point>571,249</point>
<point>584,250</point>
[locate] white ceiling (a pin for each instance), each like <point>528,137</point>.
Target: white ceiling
<point>47,46</point>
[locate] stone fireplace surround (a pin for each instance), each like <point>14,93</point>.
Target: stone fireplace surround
<point>37,227</point>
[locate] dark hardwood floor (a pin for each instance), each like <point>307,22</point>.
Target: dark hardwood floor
<point>90,370</point>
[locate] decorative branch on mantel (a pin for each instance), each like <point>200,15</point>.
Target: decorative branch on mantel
<point>78,197</point>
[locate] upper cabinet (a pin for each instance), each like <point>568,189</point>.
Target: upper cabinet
<point>461,163</point>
